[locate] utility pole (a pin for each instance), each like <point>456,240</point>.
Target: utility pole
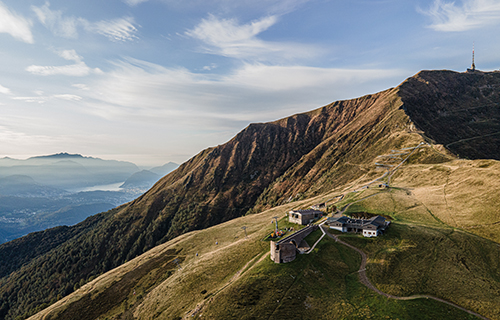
<point>176,261</point>
<point>276,231</point>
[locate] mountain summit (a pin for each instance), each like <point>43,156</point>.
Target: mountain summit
<point>62,155</point>
<point>458,110</point>
<point>263,166</point>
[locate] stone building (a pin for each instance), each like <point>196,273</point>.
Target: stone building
<point>285,250</point>
<point>372,227</point>
<point>304,217</point>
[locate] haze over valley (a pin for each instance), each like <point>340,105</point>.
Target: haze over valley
<point>63,189</point>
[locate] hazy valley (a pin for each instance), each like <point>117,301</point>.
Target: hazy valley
<point>64,189</point>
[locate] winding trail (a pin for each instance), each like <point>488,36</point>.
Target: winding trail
<point>473,138</point>
<point>363,278</point>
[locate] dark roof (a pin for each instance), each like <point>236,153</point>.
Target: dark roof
<point>307,211</point>
<point>376,221</point>
<point>342,219</point>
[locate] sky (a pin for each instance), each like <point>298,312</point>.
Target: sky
<point>153,81</point>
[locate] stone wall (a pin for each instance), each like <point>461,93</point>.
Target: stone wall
<point>285,250</point>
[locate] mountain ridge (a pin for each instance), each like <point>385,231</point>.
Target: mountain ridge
<point>263,166</point>
<point>61,155</point>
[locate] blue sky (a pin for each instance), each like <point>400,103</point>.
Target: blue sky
<point>152,81</point>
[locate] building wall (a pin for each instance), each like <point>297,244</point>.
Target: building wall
<point>288,252</point>
<point>372,229</point>
<point>292,219</point>
<point>303,218</point>
<point>275,252</point>
<point>285,250</point>
<point>339,228</point>
<point>370,233</point>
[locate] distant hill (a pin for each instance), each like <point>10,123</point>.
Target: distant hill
<point>264,166</point>
<point>141,180</point>
<point>20,215</point>
<point>62,155</point>
<point>36,193</point>
<point>165,169</point>
<point>145,179</point>
<point>21,185</point>
<point>69,171</point>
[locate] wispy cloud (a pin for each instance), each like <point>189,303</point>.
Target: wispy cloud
<point>471,14</point>
<point>54,20</point>
<point>263,6</point>
<point>4,90</point>
<point>120,29</point>
<point>18,139</point>
<point>78,69</point>
<point>134,2</point>
<point>68,97</point>
<point>224,32</point>
<point>81,86</point>
<point>227,37</point>
<point>41,98</point>
<point>290,78</point>
<point>15,25</point>
<point>139,90</point>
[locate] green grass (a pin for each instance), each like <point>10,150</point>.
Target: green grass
<point>313,237</point>
<point>443,262</point>
<point>399,204</point>
<point>322,285</point>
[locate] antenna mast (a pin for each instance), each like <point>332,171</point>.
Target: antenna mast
<point>473,67</point>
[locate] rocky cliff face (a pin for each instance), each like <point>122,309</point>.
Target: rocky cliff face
<point>264,165</point>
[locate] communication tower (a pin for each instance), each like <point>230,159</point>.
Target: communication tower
<point>473,66</point>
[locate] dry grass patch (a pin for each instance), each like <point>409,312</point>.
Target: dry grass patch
<point>460,193</point>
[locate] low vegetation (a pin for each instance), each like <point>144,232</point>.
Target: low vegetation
<point>436,202</point>
<point>322,285</point>
<point>232,276</point>
<point>443,262</point>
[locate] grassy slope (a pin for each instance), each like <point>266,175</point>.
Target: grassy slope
<point>421,254</point>
<point>460,193</point>
<point>322,285</point>
<point>432,249</point>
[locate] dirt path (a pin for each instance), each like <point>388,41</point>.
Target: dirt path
<point>363,278</point>
<point>473,138</point>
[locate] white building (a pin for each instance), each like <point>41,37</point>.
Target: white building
<point>372,227</point>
